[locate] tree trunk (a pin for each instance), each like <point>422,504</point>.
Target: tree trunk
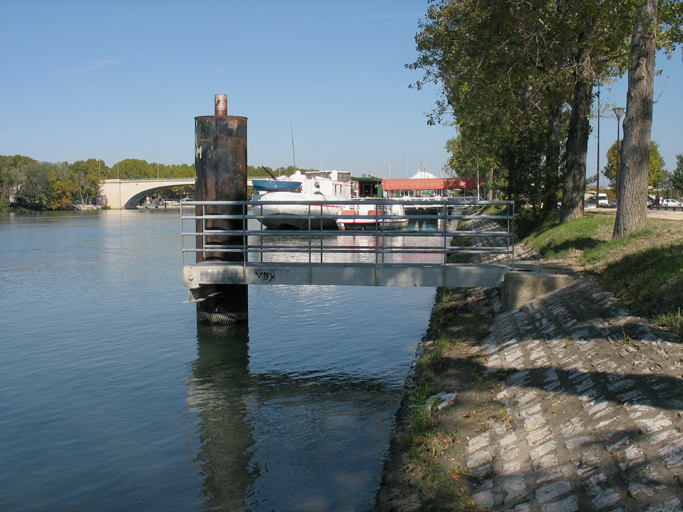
<point>635,150</point>
<point>552,157</point>
<point>577,140</point>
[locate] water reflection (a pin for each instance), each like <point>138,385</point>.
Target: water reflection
<point>219,390</point>
<point>286,439</point>
<point>357,246</point>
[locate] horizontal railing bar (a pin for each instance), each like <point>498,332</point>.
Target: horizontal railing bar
<point>345,232</point>
<point>341,250</point>
<point>361,200</point>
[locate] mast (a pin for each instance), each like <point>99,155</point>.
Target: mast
<point>293,156</point>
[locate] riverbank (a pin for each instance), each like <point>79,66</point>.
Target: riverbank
<point>571,402</point>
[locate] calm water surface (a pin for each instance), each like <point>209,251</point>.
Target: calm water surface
<point>113,398</point>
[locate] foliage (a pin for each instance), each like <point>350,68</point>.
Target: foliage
<point>141,169</point>
<point>86,176</point>
<point>656,171</point>
<point>507,72</point>
<point>34,190</point>
<point>11,172</point>
<point>677,174</point>
<point>30,184</point>
<point>132,168</point>
<point>27,183</point>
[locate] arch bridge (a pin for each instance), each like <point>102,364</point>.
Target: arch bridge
<point>119,194</point>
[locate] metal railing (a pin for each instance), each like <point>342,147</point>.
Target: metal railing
<point>236,231</point>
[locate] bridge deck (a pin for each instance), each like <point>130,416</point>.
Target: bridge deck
<point>352,274</point>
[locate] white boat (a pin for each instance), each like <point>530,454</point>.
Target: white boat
<point>315,186</point>
<point>371,215</point>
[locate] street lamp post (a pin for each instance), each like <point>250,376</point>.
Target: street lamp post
<point>618,111</point>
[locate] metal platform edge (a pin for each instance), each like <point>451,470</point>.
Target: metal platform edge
<point>353,274</point>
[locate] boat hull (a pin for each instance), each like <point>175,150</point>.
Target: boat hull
<point>372,218</point>
<point>296,216</point>
<point>380,225</point>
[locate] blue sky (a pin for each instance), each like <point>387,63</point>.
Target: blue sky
<point>125,79</point>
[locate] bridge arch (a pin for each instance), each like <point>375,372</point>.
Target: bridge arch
<point>120,194</point>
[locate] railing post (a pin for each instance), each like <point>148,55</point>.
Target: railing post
<point>445,230</point>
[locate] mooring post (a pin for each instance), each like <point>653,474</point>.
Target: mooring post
<point>221,168</point>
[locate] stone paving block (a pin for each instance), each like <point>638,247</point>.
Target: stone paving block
<point>630,456</point>
<point>479,458</point>
<point>670,505</point>
<point>510,455</point>
<point>549,475</point>
<point>531,411</point>
<point>484,499</point>
<point>511,467</point>
<point>525,398</point>
<point>672,454</point>
<point>595,483</point>
<point>539,436</point>
<point>552,490</point>
<point>515,489</point>
<point>566,505</point>
<point>605,498</point>
<point>546,462</point>
<point>648,426</point>
<point>479,442</point>
<point>533,422</point>
<point>540,451</point>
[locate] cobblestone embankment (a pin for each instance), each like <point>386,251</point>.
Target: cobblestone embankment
<point>595,401</point>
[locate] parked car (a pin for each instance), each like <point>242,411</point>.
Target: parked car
<point>613,203</point>
<point>650,203</point>
<point>669,202</point>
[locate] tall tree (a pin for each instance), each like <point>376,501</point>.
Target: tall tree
<point>132,168</point>
<point>504,90</point>
<point>86,175</point>
<point>591,34</point>
<point>507,69</point>
<point>635,152</point>
<point>677,174</point>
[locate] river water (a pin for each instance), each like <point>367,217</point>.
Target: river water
<point>113,398</point>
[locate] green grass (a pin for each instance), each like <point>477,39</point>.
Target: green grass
<point>644,271</point>
<point>650,281</point>
<point>554,240</point>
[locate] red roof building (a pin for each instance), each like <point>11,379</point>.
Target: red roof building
<point>428,186</point>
